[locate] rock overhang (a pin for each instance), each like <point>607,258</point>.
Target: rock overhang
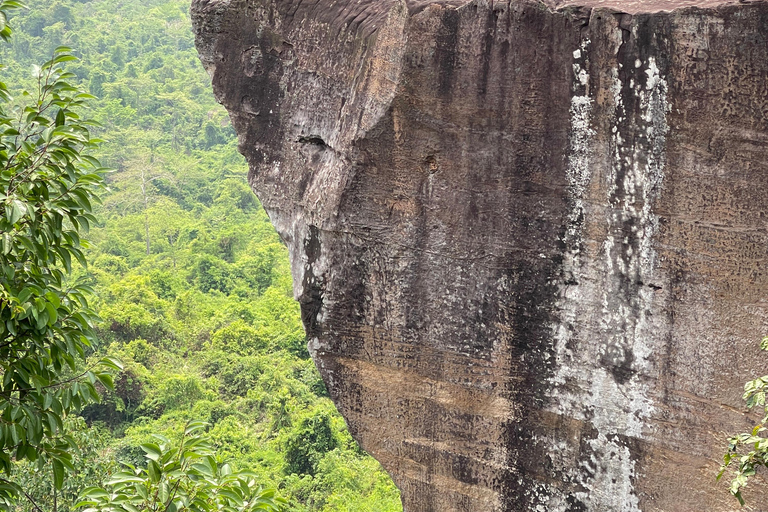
<point>518,231</point>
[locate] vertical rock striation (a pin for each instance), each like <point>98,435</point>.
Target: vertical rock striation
<point>528,238</point>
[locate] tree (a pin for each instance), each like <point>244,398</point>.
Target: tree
<point>48,184</point>
<point>307,444</point>
<point>139,181</point>
<point>183,478</point>
<point>749,450</point>
<point>91,443</point>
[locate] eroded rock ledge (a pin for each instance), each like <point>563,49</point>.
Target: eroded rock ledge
<point>528,238</point>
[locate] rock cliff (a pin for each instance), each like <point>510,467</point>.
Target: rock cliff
<point>528,237</point>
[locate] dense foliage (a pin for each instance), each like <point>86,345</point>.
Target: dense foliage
<point>48,184</point>
<point>179,478</point>
<point>192,283</point>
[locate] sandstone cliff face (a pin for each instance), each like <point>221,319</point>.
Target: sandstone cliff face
<point>528,238</point>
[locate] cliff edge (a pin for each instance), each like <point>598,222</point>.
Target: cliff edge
<point>528,238</point>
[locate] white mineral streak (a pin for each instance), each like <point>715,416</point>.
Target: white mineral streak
<point>653,101</point>
<point>614,287</point>
<point>577,171</point>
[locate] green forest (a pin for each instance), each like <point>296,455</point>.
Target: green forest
<point>191,283</point>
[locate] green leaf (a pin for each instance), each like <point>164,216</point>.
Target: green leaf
<point>42,320</point>
<point>64,58</point>
<point>53,299</point>
<point>52,314</point>
<point>111,362</point>
<point>106,380</point>
<point>152,451</point>
<point>66,258</point>
<point>58,474</point>
<point>94,492</point>
<point>122,478</point>
<point>154,471</point>
<point>18,209</point>
<point>194,426</point>
<point>14,4</point>
<point>24,294</point>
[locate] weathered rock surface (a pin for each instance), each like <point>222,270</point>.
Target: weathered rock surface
<point>529,239</point>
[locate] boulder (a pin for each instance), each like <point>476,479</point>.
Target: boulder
<point>528,238</point>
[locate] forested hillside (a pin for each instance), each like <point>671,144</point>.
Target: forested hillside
<point>193,286</point>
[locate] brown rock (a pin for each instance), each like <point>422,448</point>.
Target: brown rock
<point>528,238</point>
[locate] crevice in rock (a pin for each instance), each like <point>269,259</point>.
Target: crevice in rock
<point>314,140</point>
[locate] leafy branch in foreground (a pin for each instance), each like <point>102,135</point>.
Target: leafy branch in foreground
<point>48,185</point>
<point>183,478</point>
<point>5,6</point>
<point>748,451</point>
